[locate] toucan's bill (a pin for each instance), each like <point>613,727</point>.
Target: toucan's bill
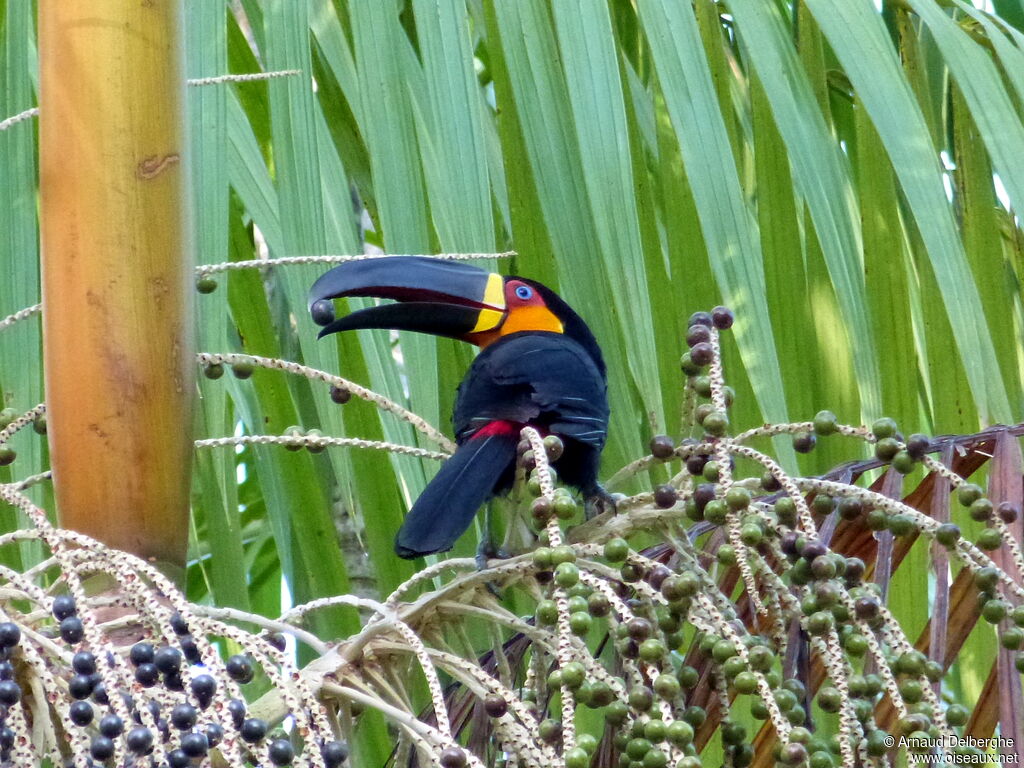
<point>444,298</point>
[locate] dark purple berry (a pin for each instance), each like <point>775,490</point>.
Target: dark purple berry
<point>99,695</point>
<point>917,446</point>
<point>140,741</point>
<point>697,334</point>
<point>813,549</point>
<point>183,716</point>
<point>6,738</point>
<point>239,667</point>
<point>141,653</point>
<point>177,758</point>
<point>237,709</point>
<point>495,705</point>
<point>190,649</point>
<point>10,634</point>
<point>101,748</point>
<point>699,318</point>
<point>173,681</point>
<point>80,686</point>
<point>253,730</point>
<point>195,744</point>
<point>111,726</point>
<point>322,312</point>
<point>665,496</point>
<point>147,675</point>
<point>178,624</point>
<point>63,606</point>
<point>702,354</point>
<point>84,663</point>
<point>71,629</point>
<point>281,752</point>
<point>10,693</point>
<point>6,670</point>
<point>662,446</point>
<point>453,757</point>
<point>334,753</point>
<point>804,442</point>
<point>214,734</point>
<point>722,317</point>
<point>277,640</point>
<point>80,712</point>
<point>167,659</point>
<point>340,395</point>
<point>203,687</point>
<point>1008,511</point>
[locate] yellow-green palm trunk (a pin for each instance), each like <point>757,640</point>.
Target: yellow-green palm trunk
<point>117,271</point>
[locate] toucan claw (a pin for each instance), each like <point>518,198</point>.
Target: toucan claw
<point>598,501</point>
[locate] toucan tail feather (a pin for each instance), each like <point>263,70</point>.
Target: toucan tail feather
<point>448,504</point>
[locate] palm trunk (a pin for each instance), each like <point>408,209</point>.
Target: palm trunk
<point>117,271</point>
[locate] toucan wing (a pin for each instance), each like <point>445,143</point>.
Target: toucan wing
<point>541,378</point>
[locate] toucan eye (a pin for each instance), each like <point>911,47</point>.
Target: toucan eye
<point>524,292</point>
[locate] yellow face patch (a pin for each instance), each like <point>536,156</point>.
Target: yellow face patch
<point>494,296</point>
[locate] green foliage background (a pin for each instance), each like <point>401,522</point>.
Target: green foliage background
<point>827,170</point>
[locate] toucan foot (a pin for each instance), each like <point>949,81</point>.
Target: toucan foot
<point>598,501</point>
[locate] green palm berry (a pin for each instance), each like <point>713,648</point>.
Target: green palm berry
<point>876,520</point>
<point>587,742</point>
<point>638,747</point>
<point>206,284</point>
<point>989,539</point>
<point>547,612</point>
<point>243,369</point>
<point>911,691</point>
<point>573,674</point>
<point>715,423</point>
<point>948,534</point>
<point>901,525</point>
<point>715,512</point>
<point>1012,638</point>
<point>825,423</point>
<point>830,699</point>
<point>886,448</point>
<point>695,716</point>
<point>652,650</point>
<point>723,650</point>
<point>726,555</point>
<point>563,554</point>
<point>968,493</point>
<point>957,715</point>
<point>687,676</point>
<point>641,698</point>
<point>986,578</point>
<point>542,557</point>
<point>564,506</point>
<point>577,602</point>
<point>758,710</point>
<point>745,683</point>
<point>550,730</point>
<point>903,462</point>
<point>876,743</point>
<point>911,663</point>
<point>821,759</point>
<point>655,759</point>
<point>751,535</point>
<point>980,510</point>
<point>616,550</point>
<point>702,384</point>
<point>7,456</point>
<point>733,733</point>
<point>737,498</point>
<point>580,623</point>
<point>576,757</point>
<point>711,471</point>
<point>666,686</point>
<point>213,370</point>
<point>567,575</point>
<point>856,645</point>
<point>733,667</point>
<point>785,510</point>
<point>883,427</point>
<point>823,504</point>
<point>679,733</point>
<point>655,730</point>
<point>760,658</point>
<point>687,365</point>
<point>994,611</point>
<point>617,712</point>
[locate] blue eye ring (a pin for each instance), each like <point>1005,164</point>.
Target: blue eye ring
<point>524,292</point>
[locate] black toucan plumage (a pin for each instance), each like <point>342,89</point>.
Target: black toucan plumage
<point>539,365</point>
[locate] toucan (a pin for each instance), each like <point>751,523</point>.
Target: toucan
<point>539,365</point>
